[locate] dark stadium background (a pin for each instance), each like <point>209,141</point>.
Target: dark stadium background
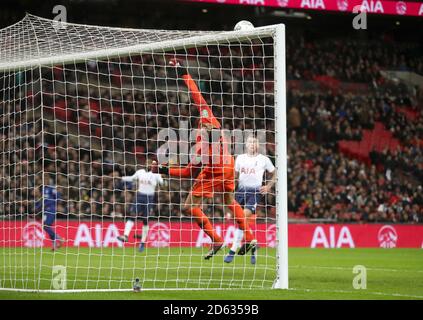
<point>174,14</point>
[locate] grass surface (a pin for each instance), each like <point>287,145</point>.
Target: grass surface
<point>313,273</point>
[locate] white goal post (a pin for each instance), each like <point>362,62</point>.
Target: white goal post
<point>78,103</point>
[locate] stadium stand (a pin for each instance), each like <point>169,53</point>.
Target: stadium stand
<point>354,155</point>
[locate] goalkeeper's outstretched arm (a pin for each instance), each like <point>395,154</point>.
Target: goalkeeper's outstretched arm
<point>194,91</point>
<point>188,171</point>
<point>206,116</point>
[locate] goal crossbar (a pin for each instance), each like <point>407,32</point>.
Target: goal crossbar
<point>144,48</point>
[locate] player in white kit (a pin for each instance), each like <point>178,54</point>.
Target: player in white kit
<point>250,168</point>
<point>145,201</point>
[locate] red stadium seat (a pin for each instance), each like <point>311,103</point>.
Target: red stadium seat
<point>84,125</point>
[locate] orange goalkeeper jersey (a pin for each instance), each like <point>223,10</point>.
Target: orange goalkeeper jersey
<point>217,159</point>
<point>217,175</point>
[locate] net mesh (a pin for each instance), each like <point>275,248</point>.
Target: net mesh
<point>72,130</point>
<point>34,38</point>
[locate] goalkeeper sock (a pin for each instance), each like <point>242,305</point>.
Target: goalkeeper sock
<point>239,234</point>
<point>240,219</point>
<point>205,224</point>
<point>128,227</point>
<point>144,232</point>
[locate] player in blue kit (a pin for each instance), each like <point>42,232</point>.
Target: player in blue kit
<point>144,203</point>
<point>47,206</point>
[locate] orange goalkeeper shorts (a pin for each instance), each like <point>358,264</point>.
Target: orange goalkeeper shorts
<point>208,183</point>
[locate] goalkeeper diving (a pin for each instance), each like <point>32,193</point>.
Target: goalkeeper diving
<point>215,175</point>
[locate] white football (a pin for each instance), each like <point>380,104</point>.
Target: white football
<point>244,25</point>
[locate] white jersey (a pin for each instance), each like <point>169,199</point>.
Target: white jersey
<point>251,169</point>
<point>147,181</point>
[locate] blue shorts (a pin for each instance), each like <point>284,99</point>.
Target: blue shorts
<point>49,218</point>
<point>248,198</point>
<point>143,205</point>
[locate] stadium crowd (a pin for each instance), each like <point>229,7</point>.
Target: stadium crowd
<point>324,184</point>
<point>107,121</point>
<point>350,60</point>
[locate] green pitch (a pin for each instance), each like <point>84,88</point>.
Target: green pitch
<point>313,273</point>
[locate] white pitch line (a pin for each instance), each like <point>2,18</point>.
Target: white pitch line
<point>218,265</point>
<point>346,268</point>
<point>358,291</point>
<point>208,289</point>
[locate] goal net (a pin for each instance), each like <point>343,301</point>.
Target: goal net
<point>83,106</point>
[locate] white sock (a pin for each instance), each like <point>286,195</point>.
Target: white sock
<point>239,234</point>
<point>144,232</point>
<point>128,227</point>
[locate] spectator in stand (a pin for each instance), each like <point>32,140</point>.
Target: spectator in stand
<point>323,183</point>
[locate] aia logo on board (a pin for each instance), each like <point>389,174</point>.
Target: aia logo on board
<point>159,235</point>
<point>401,7</point>
<point>283,3</point>
<point>342,5</point>
<point>387,237</point>
<point>33,235</point>
<point>372,6</point>
<point>271,236</point>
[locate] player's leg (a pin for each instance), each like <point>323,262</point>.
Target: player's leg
<point>251,205</point>
<point>227,183</point>
<point>130,220</point>
<point>242,223</point>
<point>250,213</point>
<point>193,207</point>
<point>49,219</point>
<point>144,218</point>
<point>202,188</point>
<point>129,224</point>
<point>237,243</point>
<point>239,234</point>
<point>144,233</point>
<point>250,201</point>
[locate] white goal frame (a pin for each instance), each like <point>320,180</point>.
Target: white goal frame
<point>277,32</point>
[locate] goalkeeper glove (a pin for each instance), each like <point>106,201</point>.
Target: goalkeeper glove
<point>181,70</point>
<point>158,168</point>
